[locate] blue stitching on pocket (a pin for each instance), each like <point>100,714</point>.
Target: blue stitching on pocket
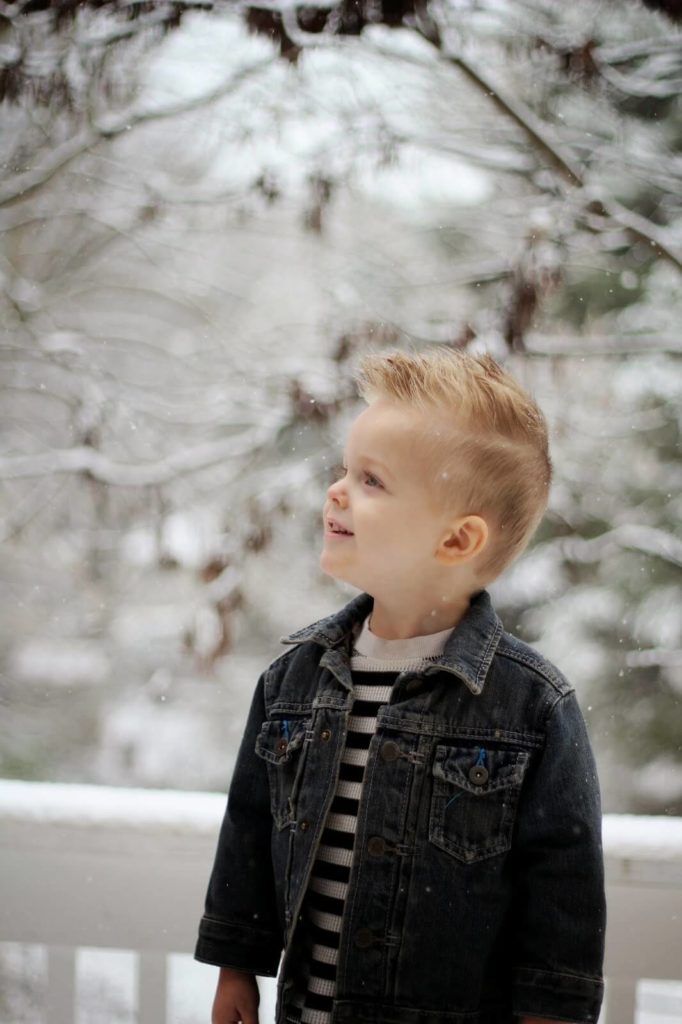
<point>461,793</point>
<point>481,759</point>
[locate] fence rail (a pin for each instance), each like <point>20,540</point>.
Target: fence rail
<point>97,866</point>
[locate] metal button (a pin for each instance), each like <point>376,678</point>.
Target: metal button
<point>478,775</point>
<point>364,938</point>
<point>412,684</point>
<point>326,735</point>
<point>281,746</point>
<point>390,751</point>
<point>304,825</point>
<point>376,847</point>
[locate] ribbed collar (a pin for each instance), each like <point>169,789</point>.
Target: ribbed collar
<point>373,651</point>
<point>468,650</point>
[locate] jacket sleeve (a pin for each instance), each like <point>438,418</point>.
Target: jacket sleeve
<point>559,917</point>
<point>240,926</point>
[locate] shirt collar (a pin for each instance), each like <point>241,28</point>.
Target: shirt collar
<point>468,652</point>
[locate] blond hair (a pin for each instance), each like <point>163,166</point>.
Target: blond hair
<point>485,441</point>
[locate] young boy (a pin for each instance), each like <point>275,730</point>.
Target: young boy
<point>414,816</point>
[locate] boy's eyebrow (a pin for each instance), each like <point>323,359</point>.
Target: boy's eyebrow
<point>375,462</point>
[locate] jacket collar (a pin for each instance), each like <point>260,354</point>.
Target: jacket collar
<point>468,652</point>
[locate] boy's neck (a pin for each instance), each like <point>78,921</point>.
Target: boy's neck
<point>402,623</point>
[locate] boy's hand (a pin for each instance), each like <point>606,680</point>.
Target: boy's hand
<point>236,998</point>
<point>538,1020</point>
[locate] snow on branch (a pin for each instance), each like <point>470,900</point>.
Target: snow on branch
<point>21,186</point>
<point>654,657</point>
<point>103,469</point>
<point>647,539</point>
<point>641,228</point>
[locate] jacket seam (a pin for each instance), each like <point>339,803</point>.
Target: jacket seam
<point>240,927</point>
<point>273,676</point>
<point>560,974</point>
<point>538,669</point>
<point>549,715</point>
<point>261,972</point>
<point>275,665</point>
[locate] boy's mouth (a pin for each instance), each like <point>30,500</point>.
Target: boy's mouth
<point>334,527</point>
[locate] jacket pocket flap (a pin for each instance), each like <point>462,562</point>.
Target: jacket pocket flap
<point>457,765</point>
<point>278,739</point>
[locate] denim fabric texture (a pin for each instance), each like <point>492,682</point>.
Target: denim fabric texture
<point>484,899</point>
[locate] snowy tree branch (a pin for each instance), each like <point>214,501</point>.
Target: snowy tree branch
<point>661,657</point>
<point>647,539</point>
<point>21,186</point>
<point>640,227</point>
<point>100,467</point>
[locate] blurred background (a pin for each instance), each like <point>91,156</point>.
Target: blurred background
<point>208,212</point>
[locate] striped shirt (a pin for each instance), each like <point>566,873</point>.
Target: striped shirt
<point>375,664</point>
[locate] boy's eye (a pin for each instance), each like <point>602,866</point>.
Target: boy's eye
<point>340,471</point>
<point>369,476</point>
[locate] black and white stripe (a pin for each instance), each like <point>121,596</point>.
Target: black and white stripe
<point>375,664</point>
<point>323,906</point>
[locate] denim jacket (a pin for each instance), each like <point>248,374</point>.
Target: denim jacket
<point>485,897</point>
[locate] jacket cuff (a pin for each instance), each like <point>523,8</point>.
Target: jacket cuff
<point>563,997</point>
<point>238,946</point>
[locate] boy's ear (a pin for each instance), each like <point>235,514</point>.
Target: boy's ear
<point>464,538</point>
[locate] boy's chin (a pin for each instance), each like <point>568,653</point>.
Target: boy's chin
<point>335,572</point>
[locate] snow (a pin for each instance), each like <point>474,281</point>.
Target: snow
<point>141,625</point>
<point>658,619</point>
<point>660,779</point>
<point>333,88</point>
<point>650,837</point>
<point>538,576</point>
<point>60,662</point>
<point>646,836</point>
<point>561,627</point>
<point>400,42</point>
<point>420,184</point>
<point>111,806</point>
<point>191,63</point>
<point>661,380</point>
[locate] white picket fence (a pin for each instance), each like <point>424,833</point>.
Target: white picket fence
<point>126,869</point>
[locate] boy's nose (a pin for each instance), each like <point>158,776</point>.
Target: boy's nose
<point>336,493</point>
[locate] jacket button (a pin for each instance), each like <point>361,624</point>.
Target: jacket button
<point>364,938</point>
<point>326,735</point>
<point>412,684</point>
<point>304,825</point>
<point>478,775</point>
<point>281,746</point>
<point>390,751</point>
<point>376,847</point>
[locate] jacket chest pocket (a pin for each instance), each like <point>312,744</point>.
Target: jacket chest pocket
<point>280,743</point>
<point>474,800</point>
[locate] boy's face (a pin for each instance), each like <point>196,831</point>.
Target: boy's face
<point>383,498</point>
